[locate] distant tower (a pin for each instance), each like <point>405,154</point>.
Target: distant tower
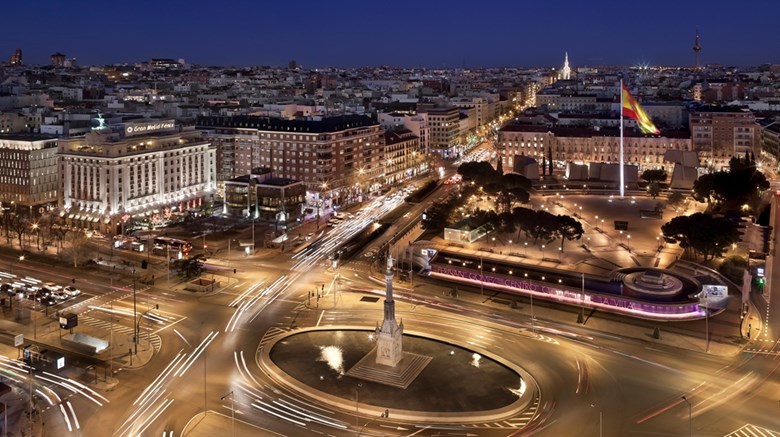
<point>389,336</point>
<point>16,58</point>
<point>697,48</point>
<point>566,71</point>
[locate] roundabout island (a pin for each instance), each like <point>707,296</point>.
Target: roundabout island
<point>416,377</point>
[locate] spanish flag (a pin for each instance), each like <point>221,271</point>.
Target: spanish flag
<point>631,109</point>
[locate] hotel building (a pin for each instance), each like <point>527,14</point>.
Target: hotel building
<point>134,170</point>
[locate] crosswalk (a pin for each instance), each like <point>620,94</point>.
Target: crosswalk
<point>118,329</point>
<point>753,431</point>
<point>270,334</point>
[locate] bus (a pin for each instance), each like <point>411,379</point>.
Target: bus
<point>164,244</point>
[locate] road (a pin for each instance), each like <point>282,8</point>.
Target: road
<point>209,344</point>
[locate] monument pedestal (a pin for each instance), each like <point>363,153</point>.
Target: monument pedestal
<point>400,376</point>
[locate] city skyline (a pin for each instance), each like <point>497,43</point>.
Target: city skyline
<point>500,34</point>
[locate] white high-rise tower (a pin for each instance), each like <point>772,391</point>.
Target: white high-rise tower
<point>566,70</point>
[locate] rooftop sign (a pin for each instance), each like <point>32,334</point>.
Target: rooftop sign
<point>148,127</point>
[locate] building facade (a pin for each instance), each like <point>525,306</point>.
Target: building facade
<point>718,133</point>
<point>444,128</point>
<point>28,172</point>
<point>266,197</point>
<point>403,156</point>
<point>134,169</point>
<point>586,145</point>
<point>334,157</point>
<point>417,123</point>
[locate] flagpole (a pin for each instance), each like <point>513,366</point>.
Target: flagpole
<point>622,177</point>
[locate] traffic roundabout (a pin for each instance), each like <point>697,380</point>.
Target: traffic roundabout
<point>460,384</point>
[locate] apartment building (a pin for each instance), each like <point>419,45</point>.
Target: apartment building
<point>720,132</point>
<point>336,158</point>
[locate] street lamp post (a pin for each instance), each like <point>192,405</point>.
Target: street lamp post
<point>232,413</point>
<point>481,277</point>
<point>542,251</point>
<point>135,325</point>
<point>601,429</point>
<point>690,422</point>
<point>525,249</point>
<point>357,400</point>
<point>707,319</point>
<point>628,244</point>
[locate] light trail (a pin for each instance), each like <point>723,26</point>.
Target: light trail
<point>183,368</point>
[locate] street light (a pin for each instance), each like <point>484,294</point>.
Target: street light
<point>628,244</point>
<point>542,251</point>
<point>707,319</point>
<point>232,413</point>
<point>135,325</point>
<point>690,423</point>
<point>357,398</point>
<point>600,421</point>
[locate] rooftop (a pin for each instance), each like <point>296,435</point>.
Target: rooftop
<point>27,137</point>
<point>330,124</point>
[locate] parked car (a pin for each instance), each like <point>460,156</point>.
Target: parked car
<point>49,301</point>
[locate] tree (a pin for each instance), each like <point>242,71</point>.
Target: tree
<point>703,188</point>
<point>568,228</point>
<point>701,233</point>
<point>480,172</point>
<point>657,175</point>
<point>654,178</point>
<point>675,198</point>
<point>549,160</point>
<point>732,189</point>
<point>79,249</point>
<point>19,226</point>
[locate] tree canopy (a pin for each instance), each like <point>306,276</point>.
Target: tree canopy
<point>741,185</point>
<point>702,234</point>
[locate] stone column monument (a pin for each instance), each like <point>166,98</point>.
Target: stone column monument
<point>389,336</point>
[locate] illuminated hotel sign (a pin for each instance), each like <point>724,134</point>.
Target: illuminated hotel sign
<point>148,127</point>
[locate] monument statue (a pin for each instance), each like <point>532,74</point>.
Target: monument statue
<point>389,336</point>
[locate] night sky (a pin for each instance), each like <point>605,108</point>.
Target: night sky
<point>408,33</point>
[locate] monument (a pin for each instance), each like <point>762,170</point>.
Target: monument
<point>387,363</point>
<point>389,336</point>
